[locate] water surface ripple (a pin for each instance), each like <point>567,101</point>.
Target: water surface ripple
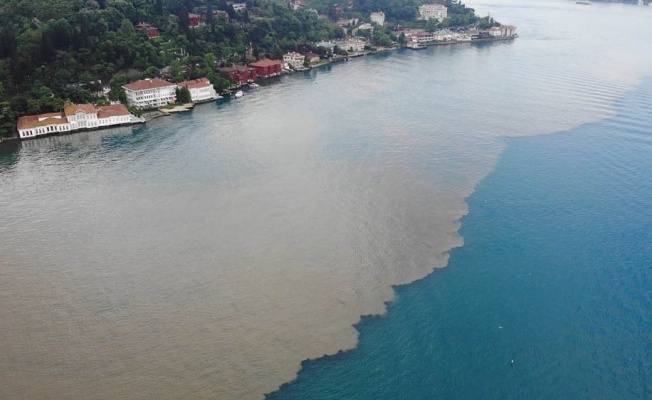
<point>206,255</point>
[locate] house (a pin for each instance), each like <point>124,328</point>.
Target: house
<point>345,23</point>
<point>201,90</point>
<point>352,45</point>
<point>378,17</point>
<point>423,37</point>
<point>150,93</point>
<point>194,20</point>
<point>443,35</point>
<point>326,45</point>
<point>81,116</point>
<point>73,118</point>
<point>239,74</point>
<point>294,60</point>
<point>152,31</point>
<point>365,27</point>
<point>432,11</point>
<point>297,4</point>
<point>508,30</point>
<point>116,114</point>
<point>312,58</point>
<point>237,6</point>
<point>266,68</point>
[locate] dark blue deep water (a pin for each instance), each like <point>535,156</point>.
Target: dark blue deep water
<point>555,274</point>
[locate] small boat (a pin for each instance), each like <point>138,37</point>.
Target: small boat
<point>239,93</point>
<point>585,2</point>
<point>254,85</point>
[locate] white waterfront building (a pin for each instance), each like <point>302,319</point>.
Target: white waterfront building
<point>201,90</point>
<point>74,117</point>
<point>432,11</point>
<point>294,60</point>
<point>150,93</point>
<point>353,45</point>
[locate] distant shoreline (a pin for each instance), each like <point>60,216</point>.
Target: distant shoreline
<point>161,113</point>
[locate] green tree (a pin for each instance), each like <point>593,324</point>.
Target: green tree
<point>7,119</point>
<point>117,91</point>
<point>175,70</point>
<point>150,72</point>
<point>183,95</point>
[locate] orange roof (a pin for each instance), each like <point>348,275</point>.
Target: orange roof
<point>112,111</point>
<point>265,63</point>
<point>195,83</point>
<point>75,108</point>
<point>148,84</point>
<point>35,121</point>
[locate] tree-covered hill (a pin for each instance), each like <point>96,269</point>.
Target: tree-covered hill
<point>57,50</point>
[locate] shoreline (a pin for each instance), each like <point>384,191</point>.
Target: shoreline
<point>162,112</point>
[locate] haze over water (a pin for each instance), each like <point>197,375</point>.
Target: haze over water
<point>206,255</point>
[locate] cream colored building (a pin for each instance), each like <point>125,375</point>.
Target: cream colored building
<point>294,60</point>
<point>432,11</point>
<point>150,93</point>
<point>378,17</point>
<point>201,90</point>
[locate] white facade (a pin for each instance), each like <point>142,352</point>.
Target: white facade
<point>203,94</point>
<point>74,117</point>
<point>115,120</point>
<point>508,30</point>
<point>443,35</point>
<point>432,11</point>
<point>294,60</point>
<point>378,17</point>
<point>353,45</point>
<point>82,120</point>
<point>423,37</point>
<point>150,93</point>
<point>200,90</point>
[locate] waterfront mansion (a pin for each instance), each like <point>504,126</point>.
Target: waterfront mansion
<point>201,90</point>
<point>150,93</point>
<point>75,117</point>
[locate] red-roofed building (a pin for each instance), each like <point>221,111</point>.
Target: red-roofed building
<point>239,75</point>
<point>266,67</point>
<point>200,90</point>
<point>194,20</point>
<point>150,93</point>
<point>152,31</point>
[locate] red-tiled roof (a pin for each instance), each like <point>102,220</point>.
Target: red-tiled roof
<point>148,84</point>
<point>265,63</point>
<point>32,121</point>
<point>112,111</point>
<point>75,108</point>
<point>195,83</point>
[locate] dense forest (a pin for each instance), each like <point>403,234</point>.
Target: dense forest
<point>52,51</point>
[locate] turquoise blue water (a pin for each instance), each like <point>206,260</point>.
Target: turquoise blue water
<point>555,274</point>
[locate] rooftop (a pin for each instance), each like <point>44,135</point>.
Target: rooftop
<point>112,111</point>
<point>266,62</point>
<point>35,121</point>
<point>77,108</point>
<point>148,84</point>
<point>195,83</point>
